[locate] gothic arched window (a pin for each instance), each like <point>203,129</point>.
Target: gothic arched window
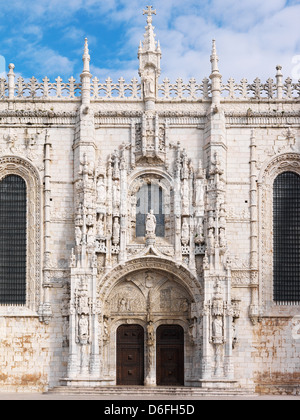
<point>150,197</point>
<point>286,231</point>
<point>13,215</point>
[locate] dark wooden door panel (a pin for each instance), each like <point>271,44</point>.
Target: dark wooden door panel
<point>170,355</point>
<point>130,355</point>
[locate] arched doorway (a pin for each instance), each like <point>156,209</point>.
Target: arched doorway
<point>170,355</point>
<point>130,355</point>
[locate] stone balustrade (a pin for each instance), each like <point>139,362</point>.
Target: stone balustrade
<point>192,91</point>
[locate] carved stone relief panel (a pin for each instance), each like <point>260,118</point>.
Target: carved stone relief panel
<point>126,299</point>
<point>149,292</point>
<point>170,297</point>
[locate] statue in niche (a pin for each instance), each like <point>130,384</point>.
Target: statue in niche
<point>149,84</point>
<point>105,336</point>
<point>100,226</point>
<point>79,215</point>
<point>150,333</point>
<point>90,237</point>
<point>185,233</point>
<point>150,223</point>
<point>101,191</point>
<point>78,235</point>
<point>72,261</point>
<point>116,231</point>
<point>222,238</point>
<point>205,261</point>
<point>193,330</point>
<point>116,171</point>
<point>185,197</point>
<point>217,329</point>
<point>211,242</point>
<point>116,194</point>
<point>83,330</point>
<point>185,165</point>
<point>90,217</point>
<point>199,237</point>
<point>83,303</point>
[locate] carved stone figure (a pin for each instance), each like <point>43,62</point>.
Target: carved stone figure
<point>116,231</point>
<point>116,194</point>
<point>150,223</point>
<point>72,262</point>
<point>83,303</point>
<point>185,197</point>
<point>149,84</point>
<point>101,191</point>
<point>79,215</point>
<point>100,226</point>
<point>116,166</point>
<point>78,235</point>
<point>150,334</point>
<point>83,330</point>
<point>185,234</point>
<point>199,237</point>
<point>193,331</point>
<point>222,239</point>
<point>90,217</point>
<point>217,329</point>
<point>105,335</point>
<point>211,242</point>
<point>123,305</point>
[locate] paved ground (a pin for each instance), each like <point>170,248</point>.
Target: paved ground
<point>49,397</point>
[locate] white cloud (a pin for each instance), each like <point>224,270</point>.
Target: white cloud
<point>47,61</point>
<point>242,15</point>
<point>253,36</point>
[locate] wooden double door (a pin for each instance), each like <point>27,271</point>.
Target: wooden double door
<point>169,355</point>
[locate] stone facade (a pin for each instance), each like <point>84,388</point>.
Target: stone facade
<point>86,150</point>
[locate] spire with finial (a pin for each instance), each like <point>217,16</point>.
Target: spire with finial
<point>86,57</point>
<point>86,77</point>
<point>149,43</point>
<point>215,77</point>
<point>149,55</point>
<point>214,59</point>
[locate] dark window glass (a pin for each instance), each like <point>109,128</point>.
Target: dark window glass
<point>150,197</point>
<point>286,230</point>
<point>12,241</point>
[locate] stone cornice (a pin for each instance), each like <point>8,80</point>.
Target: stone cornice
<point>262,118</point>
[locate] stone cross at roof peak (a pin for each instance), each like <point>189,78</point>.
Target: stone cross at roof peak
<point>149,12</point>
<point>149,42</point>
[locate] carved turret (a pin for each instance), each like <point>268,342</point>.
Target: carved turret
<point>149,55</point>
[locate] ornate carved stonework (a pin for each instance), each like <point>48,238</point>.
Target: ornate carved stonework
<point>152,206</point>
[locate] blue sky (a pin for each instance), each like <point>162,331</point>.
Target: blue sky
<point>46,37</point>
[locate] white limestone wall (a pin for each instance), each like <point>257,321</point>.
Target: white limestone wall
<point>34,356</point>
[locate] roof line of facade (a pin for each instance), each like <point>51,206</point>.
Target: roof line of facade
<point>149,87</point>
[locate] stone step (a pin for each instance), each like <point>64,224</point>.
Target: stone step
<point>140,391</point>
